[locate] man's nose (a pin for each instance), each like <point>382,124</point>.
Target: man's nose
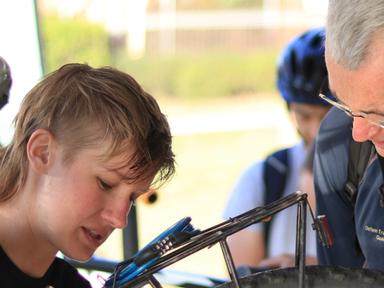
<point>363,130</point>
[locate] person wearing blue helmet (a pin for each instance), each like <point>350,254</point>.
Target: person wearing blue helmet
<point>301,75</point>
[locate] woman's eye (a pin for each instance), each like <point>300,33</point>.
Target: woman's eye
<point>103,185</point>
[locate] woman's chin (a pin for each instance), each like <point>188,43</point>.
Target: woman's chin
<point>79,256</point>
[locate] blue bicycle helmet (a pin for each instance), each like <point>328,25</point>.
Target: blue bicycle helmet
<point>302,73</point>
<point>5,82</point>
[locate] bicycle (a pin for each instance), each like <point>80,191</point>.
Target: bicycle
<point>182,240</point>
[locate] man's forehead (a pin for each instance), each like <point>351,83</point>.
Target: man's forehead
<point>360,89</point>
<point>330,65</point>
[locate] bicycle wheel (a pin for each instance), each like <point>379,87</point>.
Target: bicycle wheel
<point>315,276</point>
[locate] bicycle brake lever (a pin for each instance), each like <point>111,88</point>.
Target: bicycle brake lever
<point>321,225</point>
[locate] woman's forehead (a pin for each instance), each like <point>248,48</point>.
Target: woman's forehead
<point>117,160</point>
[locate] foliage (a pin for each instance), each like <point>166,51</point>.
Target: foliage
<point>73,40</point>
<point>213,74</point>
<point>230,4</point>
<point>189,76</point>
<point>210,4</point>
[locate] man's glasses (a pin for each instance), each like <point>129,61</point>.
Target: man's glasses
<point>373,118</point>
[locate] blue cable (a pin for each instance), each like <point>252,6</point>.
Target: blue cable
<point>146,257</point>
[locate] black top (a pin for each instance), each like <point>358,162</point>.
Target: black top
<point>59,275</point>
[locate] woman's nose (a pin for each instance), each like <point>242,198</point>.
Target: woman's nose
<point>363,130</point>
<point>116,214</point>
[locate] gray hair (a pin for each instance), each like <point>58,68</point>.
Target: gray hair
<point>351,24</point>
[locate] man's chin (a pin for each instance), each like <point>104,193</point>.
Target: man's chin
<point>379,150</point>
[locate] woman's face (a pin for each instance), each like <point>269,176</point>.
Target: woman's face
<point>78,205</point>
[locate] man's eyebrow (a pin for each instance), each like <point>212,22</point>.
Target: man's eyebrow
<point>374,111</point>
<point>371,111</point>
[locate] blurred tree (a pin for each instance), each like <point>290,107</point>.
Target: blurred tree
<point>73,40</point>
<point>212,74</point>
<point>153,5</point>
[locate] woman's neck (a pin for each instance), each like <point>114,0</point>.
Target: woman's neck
<point>21,241</point>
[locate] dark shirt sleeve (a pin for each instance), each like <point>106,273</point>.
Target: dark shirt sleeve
<point>330,174</point>
<point>65,275</point>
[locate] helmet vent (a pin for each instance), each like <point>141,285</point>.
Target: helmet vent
<point>308,67</point>
<point>316,41</point>
<point>301,68</point>
<point>293,59</point>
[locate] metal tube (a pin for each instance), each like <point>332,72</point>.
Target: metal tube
<point>153,282</point>
<point>229,262</point>
<point>301,240</point>
<point>220,232</point>
<point>130,235</point>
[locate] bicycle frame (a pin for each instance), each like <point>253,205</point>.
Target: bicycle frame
<point>219,233</point>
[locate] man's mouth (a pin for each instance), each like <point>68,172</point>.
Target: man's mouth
<point>379,144</point>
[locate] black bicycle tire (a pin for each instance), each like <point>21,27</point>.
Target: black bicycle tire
<point>315,277</point>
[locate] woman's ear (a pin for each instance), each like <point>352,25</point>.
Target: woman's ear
<point>41,148</point>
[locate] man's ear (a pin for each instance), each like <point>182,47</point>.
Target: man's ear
<point>41,148</point>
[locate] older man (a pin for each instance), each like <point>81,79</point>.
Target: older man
<point>354,51</point>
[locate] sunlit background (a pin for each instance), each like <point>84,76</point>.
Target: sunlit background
<point>211,64</point>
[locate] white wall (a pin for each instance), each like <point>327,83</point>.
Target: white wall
<point>20,48</point>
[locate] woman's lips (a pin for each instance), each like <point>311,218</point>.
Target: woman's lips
<point>93,237</point>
